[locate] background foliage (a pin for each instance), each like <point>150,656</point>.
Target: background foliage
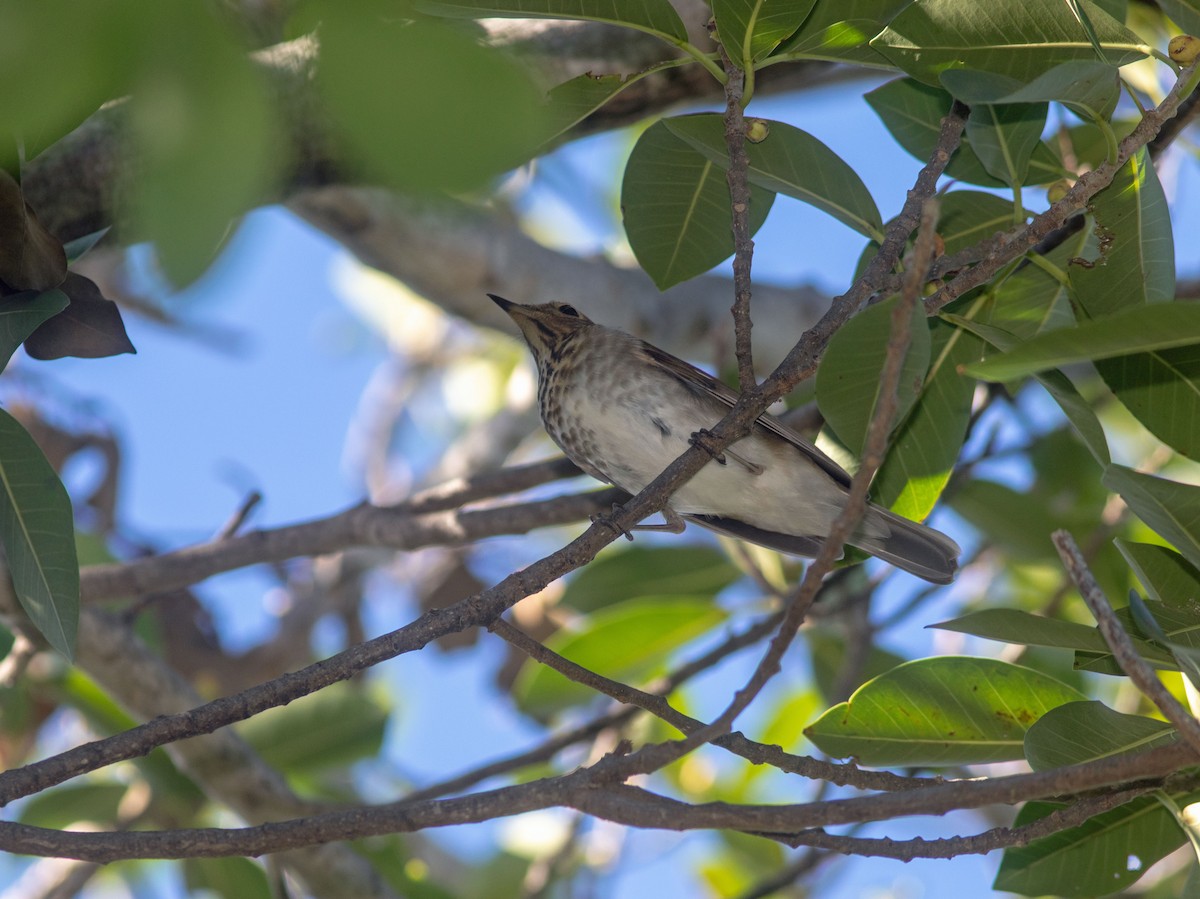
<point>1050,387</point>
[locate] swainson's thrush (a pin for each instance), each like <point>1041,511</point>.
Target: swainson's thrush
<point>623,410</point>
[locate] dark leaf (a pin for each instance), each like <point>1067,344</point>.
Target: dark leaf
<point>31,258</point>
<point>20,315</point>
<point>90,328</point>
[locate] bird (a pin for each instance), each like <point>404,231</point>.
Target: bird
<point>622,410</point>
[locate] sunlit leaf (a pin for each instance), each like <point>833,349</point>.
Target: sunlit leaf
<point>1170,508</point>
<point>840,31</point>
<point>945,710</point>
<point>38,531</point>
<point>627,642</point>
<point>676,208</point>
<point>636,571</point>
<point>1138,330</point>
<point>1166,575</point>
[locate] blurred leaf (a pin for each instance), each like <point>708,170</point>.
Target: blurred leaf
<point>1184,13</point>
<point>62,60</point>
<point>205,136</point>
<point>912,113</point>
<point>466,112</point>
<point>1141,329</point>
<point>968,216</point>
<point>925,448</point>
<point>90,327</point>
<point>391,858</point>
<point>20,315</point>
<point>655,17</point>
<point>751,29</point>
<point>829,652</point>
<point>636,571</point>
<point>38,531</point>
<point>1005,138</point>
<point>946,710</point>
<point>67,804</point>
<point>1084,731</point>
<point>1088,87</point>
<point>791,162</point>
<point>848,380</point>
<point>334,726</point>
<point>1018,38</point>
<point>1137,249</point>
<point>1106,854</point>
<point>79,247</point>
<point>1167,576</point>
<point>676,208</point>
<point>840,31</point>
<point>31,258</point>
<point>628,642</point>
<point>1171,509</point>
<point>227,877</point>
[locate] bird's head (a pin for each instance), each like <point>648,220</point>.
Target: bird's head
<point>546,327</point>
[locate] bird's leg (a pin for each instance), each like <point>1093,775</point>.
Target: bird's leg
<point>700,439</point>
<point>673,523</point>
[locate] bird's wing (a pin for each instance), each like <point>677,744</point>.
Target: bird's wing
<point>706,385</point>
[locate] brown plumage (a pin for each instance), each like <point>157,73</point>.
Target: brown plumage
<point>623,410</point>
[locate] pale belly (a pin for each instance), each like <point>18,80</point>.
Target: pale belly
<point>789,495</point>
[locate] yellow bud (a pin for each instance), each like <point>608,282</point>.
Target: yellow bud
<point>1058,190</point>
<point>1184,49</point>
<point>757,130</point>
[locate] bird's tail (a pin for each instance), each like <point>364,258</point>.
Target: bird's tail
<point>918,549</point>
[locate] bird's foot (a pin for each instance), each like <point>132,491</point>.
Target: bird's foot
<point>610,522</point>
<point>703,439</point>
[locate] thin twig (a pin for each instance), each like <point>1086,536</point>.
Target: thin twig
<point>1123,650</point>
<point>737,176</point>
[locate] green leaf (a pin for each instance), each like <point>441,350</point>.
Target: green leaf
<point>791,162</point>
<point>1077,410</point>
<point>1137,249</point>
<point>629,573</point>
<point>676,206</point>
<point>925,448</point>
<point>38,531</point>
<point>913,111</point>
<point>840,31</point>
<point>848,379</point>
<point>1162,390</point>
<point>968,216</point>
<point>231,876</point>
<point>20,315</point>
<point>1081,732</point>
<point>1139,330</point>
<point>1005,138</point>
<point>1035,297</point>
<point>1184,13</point>
<point>1089,88</point>
<point>1018,38</point>
<point>629,642</point>
<point>1167,576</point>
<point>67,804</point>
<point>751,29</point>
<point>1171,509</point>
<point>1026,629</point>
<point>946,710</point>
<point>204,133</point>
<point>655,17</point>
<point>571,102</point>
<point>1178,624</point>
<point>1106,854</point>
<point>468,113</point>
<point>332,727</point>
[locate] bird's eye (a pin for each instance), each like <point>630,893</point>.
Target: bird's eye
<point>568,310</point>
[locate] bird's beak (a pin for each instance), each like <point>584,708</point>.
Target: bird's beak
<point>506,305</point>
